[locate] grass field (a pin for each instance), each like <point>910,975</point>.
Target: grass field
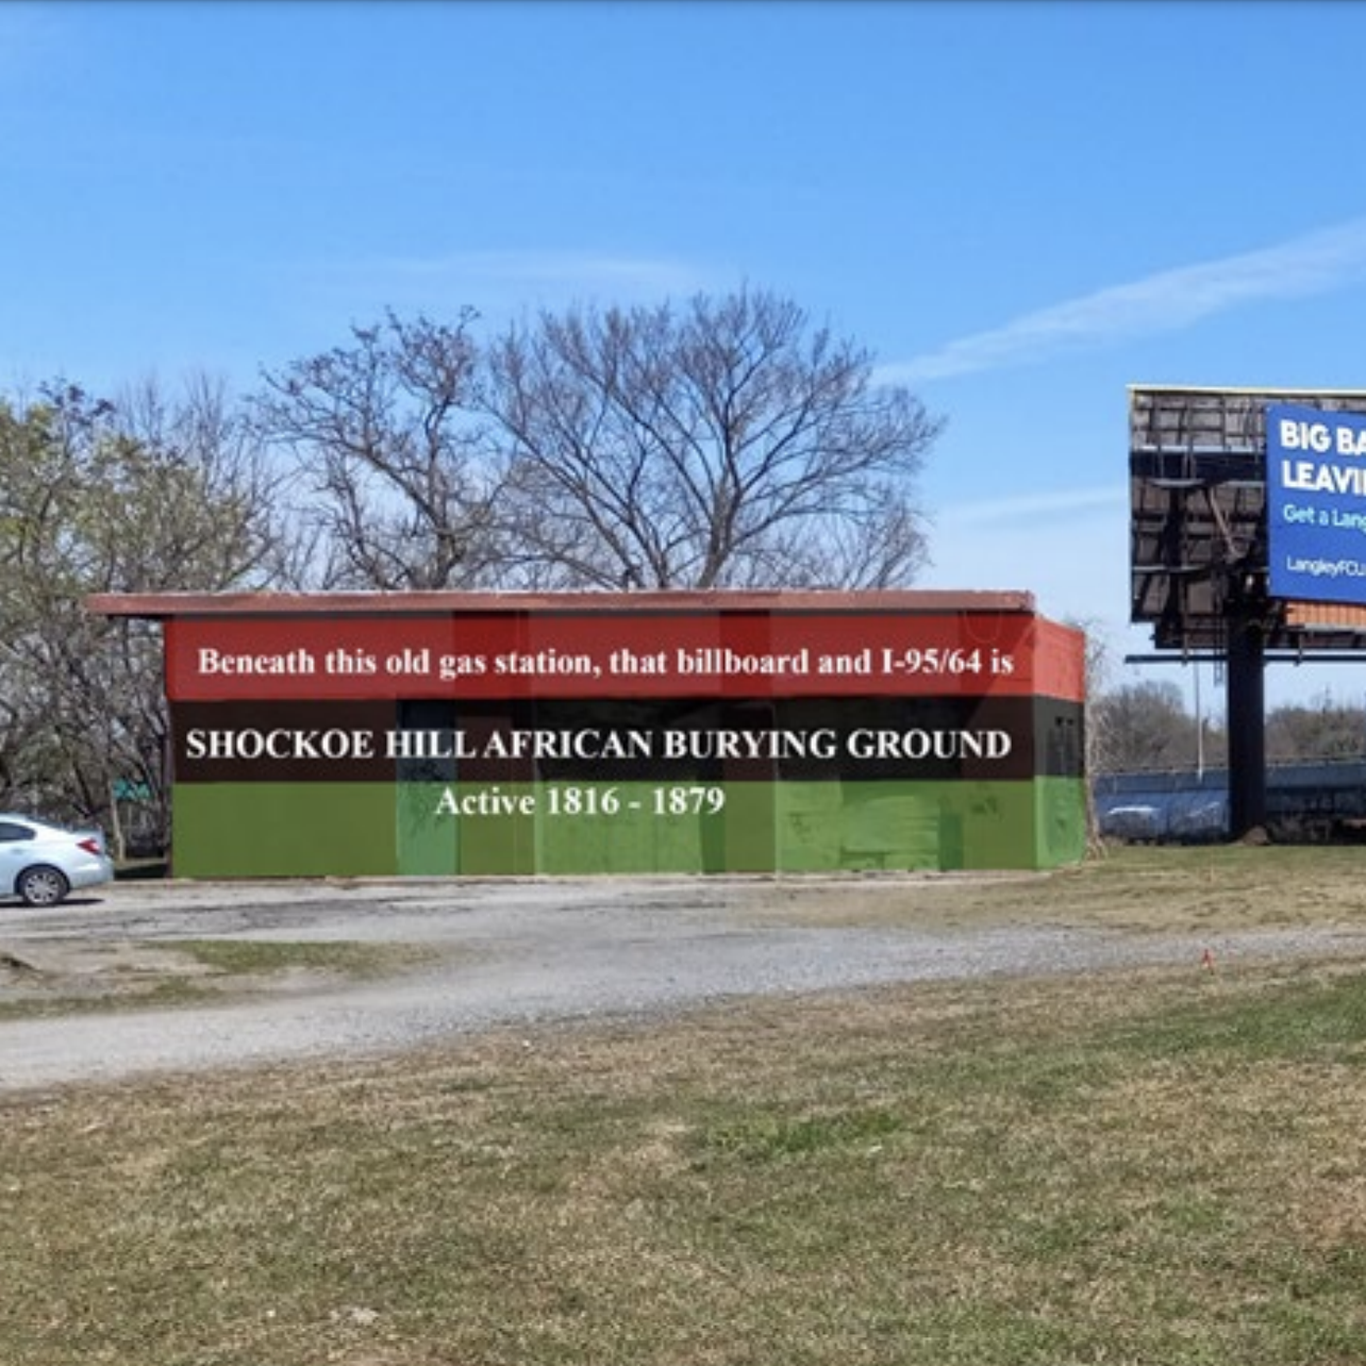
<point>1212,888</point>
<point>1142,1166</point>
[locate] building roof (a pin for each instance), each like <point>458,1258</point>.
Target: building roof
<point>163,606</point>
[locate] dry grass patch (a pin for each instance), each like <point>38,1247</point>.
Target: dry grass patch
<point>1210,888</point>
<point>63,977</point>
<point>1145,1167</point>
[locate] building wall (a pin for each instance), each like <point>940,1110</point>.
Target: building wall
<point>702,737</point>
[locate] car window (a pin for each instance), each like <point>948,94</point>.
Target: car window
<point>9,830</point>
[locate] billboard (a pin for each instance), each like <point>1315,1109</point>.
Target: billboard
<point>1316,503</point>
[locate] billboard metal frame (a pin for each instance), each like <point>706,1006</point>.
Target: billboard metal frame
<point>1199,562</point>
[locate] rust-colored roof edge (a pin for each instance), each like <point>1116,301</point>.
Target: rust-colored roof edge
<point>160,606</point>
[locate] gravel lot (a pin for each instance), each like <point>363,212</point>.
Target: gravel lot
<point>508,952</point>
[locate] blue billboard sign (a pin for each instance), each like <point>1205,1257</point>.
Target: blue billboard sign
<point>1316,503</point>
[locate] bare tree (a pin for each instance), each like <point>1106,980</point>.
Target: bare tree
<point>724,444</point>
<point>1144,726</point>
<point>1321,730</point>
<point>190,498</point>
<point>384,430</point>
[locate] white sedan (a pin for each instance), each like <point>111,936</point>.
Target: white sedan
<point>42,863</point>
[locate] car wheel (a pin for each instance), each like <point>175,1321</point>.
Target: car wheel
<point>42,886</point>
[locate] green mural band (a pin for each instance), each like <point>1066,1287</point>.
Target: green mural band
<point>587,827</point>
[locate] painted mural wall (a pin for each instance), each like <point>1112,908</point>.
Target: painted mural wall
<point>714,735</point>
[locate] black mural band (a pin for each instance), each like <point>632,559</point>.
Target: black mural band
<point>865,739</point>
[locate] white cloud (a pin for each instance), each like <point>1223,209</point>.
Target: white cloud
<point>1036,507</point>
<point>1166,302</point>
<point>1060,546</point>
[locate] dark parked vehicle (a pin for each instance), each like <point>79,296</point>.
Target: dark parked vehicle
<point>1139,823</point>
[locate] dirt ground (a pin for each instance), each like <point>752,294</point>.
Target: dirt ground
<point>118,982</point>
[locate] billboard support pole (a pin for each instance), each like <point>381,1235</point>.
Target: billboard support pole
<point>1246,722</point>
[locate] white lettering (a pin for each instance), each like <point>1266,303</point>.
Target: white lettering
<point>279,744</point>
<point>1304,436</point>
<point>485,801</point>
<point>213,661</point>
<point>1307,476</point>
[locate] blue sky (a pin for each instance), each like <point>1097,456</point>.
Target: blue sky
<point>1020,208</point>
